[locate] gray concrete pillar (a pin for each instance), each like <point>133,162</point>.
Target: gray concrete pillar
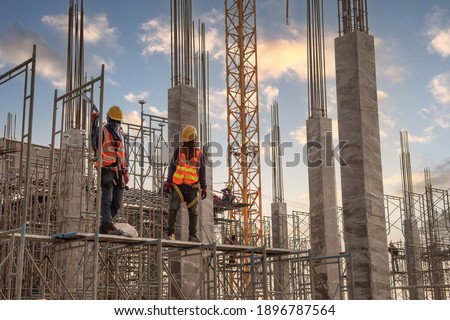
<point>183,110</point>
<point>280,239</point>
<point>70,206</point>
<point>322,202</point>
<point>413,259</point>
<point>361,172</point>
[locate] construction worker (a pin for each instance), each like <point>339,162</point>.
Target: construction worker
<point>114,172</point>
<point>186,174</point>
<point>227,195</point>
<point>231,240</point>
<point>393,250</point>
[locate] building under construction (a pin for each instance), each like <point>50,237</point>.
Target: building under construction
<point>50,247</point>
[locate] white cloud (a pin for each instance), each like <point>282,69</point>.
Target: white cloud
<point>214,44</point>
<point>155,111</point>
<point>282,57</point>
<point>109,63</point>
<point>17,45</point>
<point>59,22</point>
<point>387,123</point>
<point>439,180</point>
<point>437,117</point>
<point>96,29</point>
<point>214,17</point>
<point>382,95</point>
<point>269,96</point>
<point>440,88</point>
<point>387,65</point>
<point>135,97</point>
<point>287,56</point>
<point>392,180</point>
<point>441,120</point>
<point>112,82</point>
<point>395,73</point>
<point>218,104</point>
<point>156,37</point>
<point>420,139</point>
<point>132,117</point>
<point>426,112</point>
<point>395,182</point>
<point>299,135</point>
<point>438,33</point>
<point>214,33</point>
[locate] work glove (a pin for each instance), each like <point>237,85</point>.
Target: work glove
<point>94,116</point>
<point>204,193</point>
<point>126,177</point>
<point>168,187</point>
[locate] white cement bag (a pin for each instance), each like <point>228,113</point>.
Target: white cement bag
<point>127,230</point>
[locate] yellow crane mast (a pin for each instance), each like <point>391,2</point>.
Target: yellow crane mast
<point>243,116</point>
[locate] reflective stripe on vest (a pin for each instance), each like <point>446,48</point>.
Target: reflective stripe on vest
<point>109,150</point>
<point>186,171</point>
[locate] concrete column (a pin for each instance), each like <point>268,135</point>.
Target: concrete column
<point>183,110</point>
<point>322,201</point>
<point>206,216</point>
<point>413,259</point>
<point>70,205</point>
<point>280,236</point>
<point>361,172</point>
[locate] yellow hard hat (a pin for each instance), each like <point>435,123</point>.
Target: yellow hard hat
<point>229,186</point>
<point>189,133</point>
<point>115,113</point>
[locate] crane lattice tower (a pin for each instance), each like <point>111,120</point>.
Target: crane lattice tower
<point>243,116</point>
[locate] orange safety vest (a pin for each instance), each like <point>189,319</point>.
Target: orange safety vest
<point>111,150</point>
<point>187,170</point>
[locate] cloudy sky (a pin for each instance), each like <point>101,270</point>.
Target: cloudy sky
<point>132,39</point>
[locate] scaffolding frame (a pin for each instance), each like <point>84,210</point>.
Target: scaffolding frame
<point>434,246</point>
<point>120,260</point>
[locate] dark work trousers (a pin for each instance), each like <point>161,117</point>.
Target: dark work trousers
<point>189,194</point>
<point>394,261</point>
<point>112,197</point>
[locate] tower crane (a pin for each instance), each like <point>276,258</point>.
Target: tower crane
<point>243,116</point>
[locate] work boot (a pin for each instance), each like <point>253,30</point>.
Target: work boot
<point>193,238</point>
<point>101,230</point>
<point>112,230</point>
<point>170,237</point>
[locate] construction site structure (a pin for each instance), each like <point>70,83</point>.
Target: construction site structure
<point>361,171</point>
<point>419,223</point>
<point>321,170</point>
<point>50,246</point>
<point>243,116</point>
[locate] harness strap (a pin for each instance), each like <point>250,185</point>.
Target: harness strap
<point>188,205</point>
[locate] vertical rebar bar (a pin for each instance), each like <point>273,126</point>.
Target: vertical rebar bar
<point>182,42</point>
<point>352,16</point>
<point>277,166</point>
<point>317,103</point>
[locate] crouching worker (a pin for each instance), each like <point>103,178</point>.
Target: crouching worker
<point>114,173</point>
<point>185,177</point>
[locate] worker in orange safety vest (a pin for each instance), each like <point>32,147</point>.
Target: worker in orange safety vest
<point>114,172</point>
<point>186,176</point>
